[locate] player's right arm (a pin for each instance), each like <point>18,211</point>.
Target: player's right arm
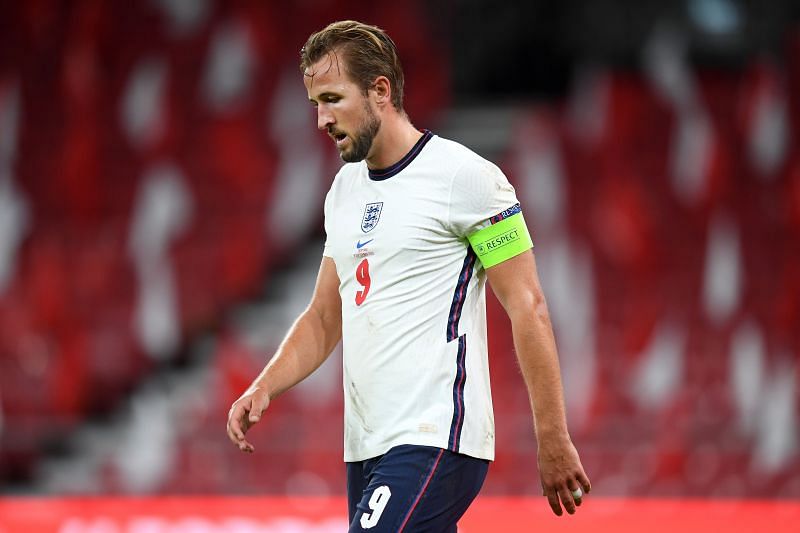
<point>306,346</point>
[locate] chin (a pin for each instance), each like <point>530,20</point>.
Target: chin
<point>351,157</point>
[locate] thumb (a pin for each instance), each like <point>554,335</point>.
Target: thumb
<point>258,404</point>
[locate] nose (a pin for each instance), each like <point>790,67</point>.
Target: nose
<point>324,117</point>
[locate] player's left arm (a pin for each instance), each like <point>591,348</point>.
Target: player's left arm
<point>515,282</point>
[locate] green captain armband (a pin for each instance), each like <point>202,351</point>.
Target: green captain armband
<point>501,241</point>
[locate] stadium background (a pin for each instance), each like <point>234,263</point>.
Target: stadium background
<point>161,182</point>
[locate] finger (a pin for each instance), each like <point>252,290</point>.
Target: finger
<point>236,430</point>
<point>233,431</point>
<point>236,435</point>
<point>566,499</point>
<point>577,492</point>
<point>258,405</point>
<point>231,435</point>
<point>552,499</point>
<point>584,481</point>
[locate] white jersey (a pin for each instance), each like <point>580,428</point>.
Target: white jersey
<point>416,367</point>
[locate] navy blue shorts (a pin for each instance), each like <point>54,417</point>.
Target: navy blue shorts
<point>413,489</point>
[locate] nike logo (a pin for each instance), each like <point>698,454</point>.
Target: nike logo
<point>360,244</point>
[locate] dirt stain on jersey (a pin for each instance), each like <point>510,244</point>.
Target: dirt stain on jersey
<point>359,407</point>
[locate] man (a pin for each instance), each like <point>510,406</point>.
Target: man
<point>415,225</point>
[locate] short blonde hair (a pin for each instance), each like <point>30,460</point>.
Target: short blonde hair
<point>368,52</point>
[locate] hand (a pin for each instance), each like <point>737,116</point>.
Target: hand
<point>244,414</point>
<point>561,473</point>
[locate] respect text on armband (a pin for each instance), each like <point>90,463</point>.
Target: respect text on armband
<point>497,242</point>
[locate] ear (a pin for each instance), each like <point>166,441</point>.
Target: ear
<point>381,91</point>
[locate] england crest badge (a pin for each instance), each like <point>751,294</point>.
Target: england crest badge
<point>372,214</point>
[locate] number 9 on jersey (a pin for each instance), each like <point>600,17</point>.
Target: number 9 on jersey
<point>362,277</point>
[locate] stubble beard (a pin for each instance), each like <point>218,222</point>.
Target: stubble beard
<point>362,140</point>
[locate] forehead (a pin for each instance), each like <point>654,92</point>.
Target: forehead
<point>327,74</point>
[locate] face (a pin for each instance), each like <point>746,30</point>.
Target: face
<point>342,108</point>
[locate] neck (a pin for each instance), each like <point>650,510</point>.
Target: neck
<point>394,140</point>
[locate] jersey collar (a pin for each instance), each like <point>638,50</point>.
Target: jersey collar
<point>386,173</point>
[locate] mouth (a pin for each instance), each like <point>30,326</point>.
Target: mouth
<point>338,138</point>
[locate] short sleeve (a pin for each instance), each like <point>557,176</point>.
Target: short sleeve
<point>480,191</point>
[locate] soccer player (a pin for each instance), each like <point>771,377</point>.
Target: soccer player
<point>415,226</point>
